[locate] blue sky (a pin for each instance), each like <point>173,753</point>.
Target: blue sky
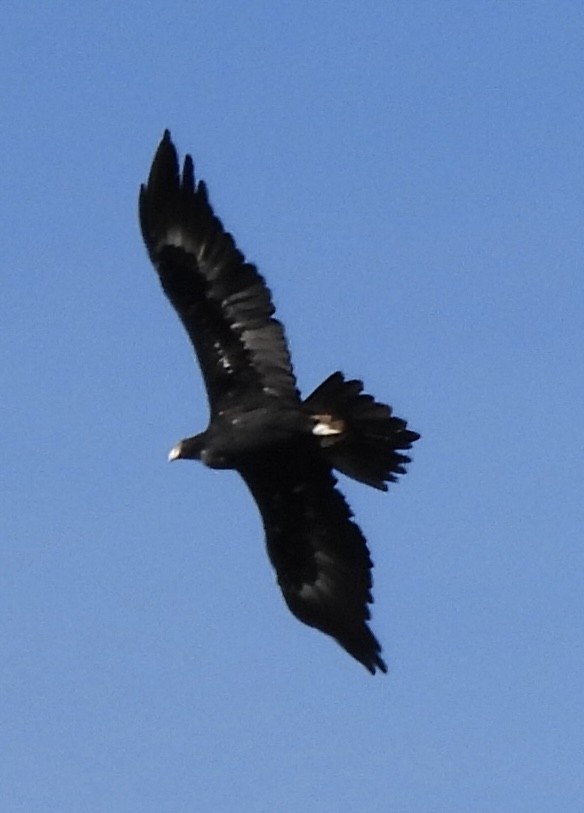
<point>409,178</point>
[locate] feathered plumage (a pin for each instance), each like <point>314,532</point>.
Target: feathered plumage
<point>284,448</point>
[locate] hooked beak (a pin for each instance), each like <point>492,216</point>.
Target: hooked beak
<point>175,453</point>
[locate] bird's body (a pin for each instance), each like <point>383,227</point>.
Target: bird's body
<point>236,434</point>
<point>285,448</point>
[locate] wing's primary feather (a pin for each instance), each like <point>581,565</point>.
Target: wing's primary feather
<point>319,553</point>
<point>223,302</point>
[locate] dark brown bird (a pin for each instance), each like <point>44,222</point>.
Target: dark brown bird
<point>285,448</point>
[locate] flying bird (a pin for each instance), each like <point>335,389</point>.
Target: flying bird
<point>285,448</point>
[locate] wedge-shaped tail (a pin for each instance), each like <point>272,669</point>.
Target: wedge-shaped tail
<point>359,436</point>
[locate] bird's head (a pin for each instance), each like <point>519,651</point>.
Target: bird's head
<point>188,449</point>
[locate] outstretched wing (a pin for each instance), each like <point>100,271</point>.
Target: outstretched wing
<point>319,554</point>
<point>222,300</point>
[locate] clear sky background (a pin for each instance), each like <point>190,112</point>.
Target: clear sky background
<point>409,176</point>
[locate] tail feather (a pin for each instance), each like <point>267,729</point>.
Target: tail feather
<point>365,440</point>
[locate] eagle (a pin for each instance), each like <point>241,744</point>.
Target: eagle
<point>285,448</point>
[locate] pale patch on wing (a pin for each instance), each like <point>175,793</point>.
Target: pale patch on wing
<point>176,237</point>
<point>323,587</point>
<point>222,357</point>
